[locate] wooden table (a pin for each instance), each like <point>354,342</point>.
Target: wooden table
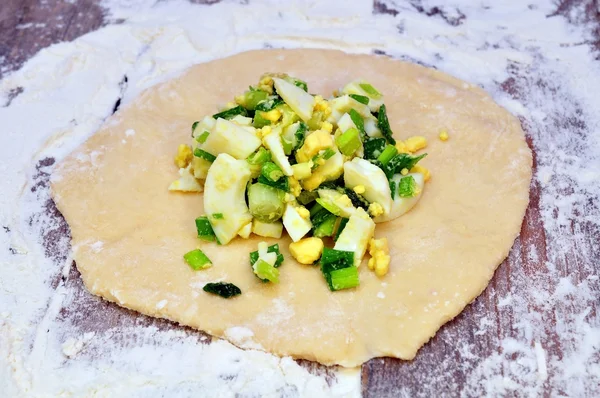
<point>440,368</point>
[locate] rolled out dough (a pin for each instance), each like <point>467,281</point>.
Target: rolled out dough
<point>129,233</point>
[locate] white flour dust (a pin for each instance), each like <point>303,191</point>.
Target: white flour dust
<point>547,334</point>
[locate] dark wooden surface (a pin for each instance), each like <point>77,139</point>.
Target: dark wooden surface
<point>439,366</point>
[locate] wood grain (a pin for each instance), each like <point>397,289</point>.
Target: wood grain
<point>439,369</point>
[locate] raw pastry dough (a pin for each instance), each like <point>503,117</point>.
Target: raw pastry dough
<point>129,232</point>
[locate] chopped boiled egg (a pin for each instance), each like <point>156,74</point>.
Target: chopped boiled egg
<point>186,182</point>
<point>296,225</point>
<point>225,191</point>
<point>273,142</point>
<point>356,235</point>
<point>400,204</point>
<point>230,138</point>
<point>372,178</point>
<point>299,100</point>
<point>307,250</point>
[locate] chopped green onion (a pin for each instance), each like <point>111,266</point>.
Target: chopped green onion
<point>407,187</point>
<point>356,199</point>
<point>271,171</point>
<point>269,104</point>
<point>253,97</point>
<point>315,210</point>
<point>360,98</point>
<point>281,183</point>
<point>331,207</point>
<point>348,142</point>
<point>388,154</point>
<point>384,124</point>
<point>264,270</point>
<point>297,82</point>
<point>399,162</point>
<point>340,228</point>
<point>197,260</point>
<point>260,121</point>
<point>230,113</point>
<point>271,249</point>
<point>202,137</point>
<point>259,157</point>
<point>265,202</point>
<point>328,153</point>
<point>288,146</point>
<point>408,161</point>
<point>194,125</point>
<point>345,278</point>
<point>332,260</point>
<point>218,216</point>
<point>373,148</point>
<point>301,134</point>
<point>223,289</point>
<point>307,197</point>
<point>204,155</point>
<point>326,227</point>
<point>205,230</point>
<point>288,115</point>
<point>370,90</point>
<point>315,122</point>
<point>359,122</point>
<point>393,186</point>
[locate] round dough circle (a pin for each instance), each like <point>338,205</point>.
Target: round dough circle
<point>129,232</point>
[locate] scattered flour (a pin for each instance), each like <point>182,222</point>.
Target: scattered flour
<point>547,335</point>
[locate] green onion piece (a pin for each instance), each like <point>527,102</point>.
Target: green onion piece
<point>197,260</point>
<point>348,142</point>
<point>358,122</point>
<point>345,278</point>
<point>223,289</point>
<point>407,187</point>
<point>384,125</point>
<point>230,113</point>
<point>205,231</point>
<point>264,270</point>
<point>399,162</point>
<point>269,104</point>
<point>204,155</point>
<point>393,186</point>
<point>253,97</point>
<point>373,148</point>
<point>271,171</point>
<point>340,228</point>
<point>260,121</point>
<point>326,227</point>
<point>271,249</point>
<point>288,146</point>
<point>388,154</point>
<point>328,153</point>
<point>297,82</point>
<point>259,157</point>
<point>360,98</point>
<point>281,183</point>
<point>288,115</point>
<point>332,260</point>
<point>265,202</point>
<point>300,134</point>
<point>307,197</point>
<point>315,122</point>
<point>194,125</point>
<point>202,137</point>
<point>356,199</point>
<point>370,90</point>
<point>331,207</point>
<point>218,216</point>
<point>315,209</point>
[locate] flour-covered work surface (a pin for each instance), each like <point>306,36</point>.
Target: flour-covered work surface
<point>534,330</point>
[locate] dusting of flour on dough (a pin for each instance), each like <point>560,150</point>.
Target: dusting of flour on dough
<point>69,89</point>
